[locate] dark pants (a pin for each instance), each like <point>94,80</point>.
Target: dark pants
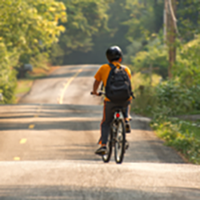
<point>108,113</point>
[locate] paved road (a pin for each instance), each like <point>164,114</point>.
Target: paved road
<point>47,145</point>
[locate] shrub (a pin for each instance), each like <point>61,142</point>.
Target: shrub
<point>175,134</point>
<point>155,58</point>
<point>188,62</point>
<point>8,84</point>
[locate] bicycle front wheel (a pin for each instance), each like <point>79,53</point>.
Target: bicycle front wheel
<point>120,142</point>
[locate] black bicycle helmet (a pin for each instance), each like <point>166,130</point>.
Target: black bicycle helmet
<point>114,53</point>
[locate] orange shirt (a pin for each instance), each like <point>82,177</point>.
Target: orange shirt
<point>104,71</point>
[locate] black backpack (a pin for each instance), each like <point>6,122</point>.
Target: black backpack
<point>118,88</point>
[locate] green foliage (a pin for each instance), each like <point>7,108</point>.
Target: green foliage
<point>132,50</point>
<point>85,18</point>
<point>169,97</point>
<point>179,134</point>
<point>178,99</point>
<point>178,95</point>
<point>187,66</point>
<point>7,75</point>
<point>188,18</point>
<point>40,60</point>
<point>7,84</point>
<point>154,58</point>
<point>28,27</point>
<point>145,19</point>
<point>145,100</point>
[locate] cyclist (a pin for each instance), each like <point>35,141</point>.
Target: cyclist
<point>114,56</point>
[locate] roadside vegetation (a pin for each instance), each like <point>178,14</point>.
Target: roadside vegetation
<point>172,101</point>
<point>162,51</point>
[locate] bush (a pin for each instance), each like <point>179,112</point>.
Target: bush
<point>8,84</point>
<point>177,98</point>
<point>155,58</point>
<point>8,80</point>
<point>168,98</point>
<point>145,94</point>
<point>175,134</point>
<point>188,62</point>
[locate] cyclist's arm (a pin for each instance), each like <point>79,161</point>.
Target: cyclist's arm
<point>96,86</point>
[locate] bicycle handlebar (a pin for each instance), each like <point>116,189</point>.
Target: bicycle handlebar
<point>99,94</point>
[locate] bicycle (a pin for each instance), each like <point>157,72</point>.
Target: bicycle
<point>116,137</point>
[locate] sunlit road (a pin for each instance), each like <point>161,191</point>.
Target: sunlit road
<point>47,145</point>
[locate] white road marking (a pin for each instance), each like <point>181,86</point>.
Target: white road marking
<point>67,84</point>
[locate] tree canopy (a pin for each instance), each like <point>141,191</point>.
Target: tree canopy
<point>86,18</point>
<point>27,27</point>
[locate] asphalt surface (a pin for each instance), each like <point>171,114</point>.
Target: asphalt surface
<point>47,145</point>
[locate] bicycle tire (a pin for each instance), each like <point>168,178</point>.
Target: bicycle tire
<point>120,142</point>
<point>107,156</point>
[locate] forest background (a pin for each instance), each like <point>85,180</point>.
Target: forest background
<point>163,56</point>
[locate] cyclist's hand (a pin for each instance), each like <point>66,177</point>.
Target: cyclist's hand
<point>95,93</point>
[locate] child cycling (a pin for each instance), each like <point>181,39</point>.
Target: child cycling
<point>106,75</point>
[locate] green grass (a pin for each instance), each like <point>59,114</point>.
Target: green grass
<point>23,86</point>
<point>184,136</point>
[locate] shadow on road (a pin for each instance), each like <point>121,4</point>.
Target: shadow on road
<point>55,116</point>
<point>71,192</point>
<point>71,132</point>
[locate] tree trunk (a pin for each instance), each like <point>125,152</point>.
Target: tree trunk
<point>171,36</point>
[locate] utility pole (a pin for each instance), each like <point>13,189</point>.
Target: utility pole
<point>170,32</point>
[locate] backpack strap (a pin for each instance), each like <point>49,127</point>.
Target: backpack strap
<point>111,71</point>
<point>112,66</point>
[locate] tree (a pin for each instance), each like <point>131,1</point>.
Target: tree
<point>188,19</point>
<point>145,19</point>
<point>85,19</point>
<point>27,28</point>
<point>30,25</point>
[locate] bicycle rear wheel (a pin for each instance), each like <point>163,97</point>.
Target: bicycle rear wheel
<point>106,157</point>
<point>120,142</point>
